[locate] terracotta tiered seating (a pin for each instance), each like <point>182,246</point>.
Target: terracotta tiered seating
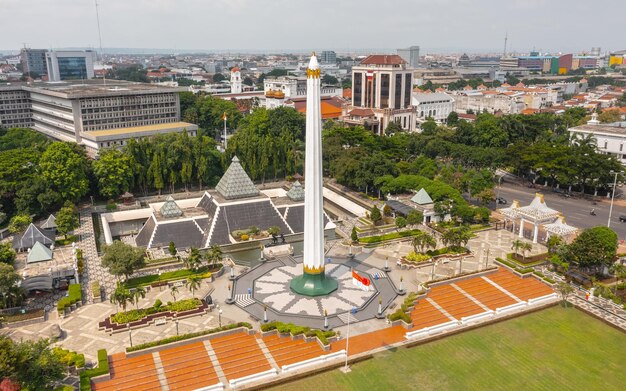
<point>188,367</point>
<point>524,289</point>
<point>486,293</point>
<point>454,302</point>
<point>239,355</point>
<point>425,315</point>
<point>137,373</point>
<point>285,351</point>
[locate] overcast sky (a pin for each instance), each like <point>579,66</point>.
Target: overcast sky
<point>435,25</point>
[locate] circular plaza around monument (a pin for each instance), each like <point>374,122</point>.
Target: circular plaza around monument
<point>266,287</point>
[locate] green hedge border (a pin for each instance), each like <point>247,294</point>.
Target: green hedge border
<point>203,272</point>
<point>102,369</point>
<point>74,295</point>
<point>294,330</point>
<point>389,236</point>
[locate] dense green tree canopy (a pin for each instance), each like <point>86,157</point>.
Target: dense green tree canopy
<point>114,173</point>
<point>594,247</point>
<point>65,170</point>
<point>122,259</point>
<point>32,364</point>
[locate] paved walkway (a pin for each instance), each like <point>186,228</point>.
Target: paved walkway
<point>93,271</point>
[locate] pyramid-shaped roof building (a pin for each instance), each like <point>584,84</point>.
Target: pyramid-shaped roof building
<point>39,253</point>
<point>50,223</point>
<point>422,198</point>
<point>170,208</point>
<point>296,193</point>
<point>236,183</point>
<point>31,236</point>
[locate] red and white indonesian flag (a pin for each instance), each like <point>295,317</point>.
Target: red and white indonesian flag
<point>369,75</point>
<point>360,281</point>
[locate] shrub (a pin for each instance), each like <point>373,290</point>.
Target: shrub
<point>245,237</point>
<point>134,315</point>
<point>95,289</point>
<point>74,295</point>
<point>399,315</point>
<point>417,258</point>
<point>111,207</point>
<point>254,230</point>
<point>297,330</point>
<point>183,337</point>
<point>157,304</point>
<point>153,279</point>
<point>389,236</point>
<point>102,369</point>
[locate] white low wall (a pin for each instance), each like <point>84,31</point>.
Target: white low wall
<point>432,329</point>
<point>252,378</point>
<point>314,361</point>
<point>542,299</point>
<point>511,308</point>
<point>477,317</point>
<point>215,387</point>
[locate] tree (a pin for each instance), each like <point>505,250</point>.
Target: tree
<point>214,255</point>
<point>32,364</point>
<point>393,128</point>
<point>619,271</point>
<point>7,254</point>
<point>423,241</point>
<point>114,173</point>
<point>387,210</point>
<point>453,118</point>
<point>354,235</point>
<point>610,116</point>
<point>19,223</point>
<point>565,290</point>
<point>172,248</point>
<point>137,294</point>
<point>554,242</point>
<point>375,215</point>
<point>193,283</point>
<point>67,219</point>
<point>328,79</point>
<point>123,259</point>
<point>173,292</point>
<point>526,247</point>
<point>517,245</point>
<point>194,259</point>
<point>400,222</point>
<point>218,77</point>
<point>274,230</point>
<point>65,170</point>
<point>415,217</point>
<point>456,237</point>
<point>9,279</point>
<point>121,296</point>
<point>594,248</point>
<point>248,81</point>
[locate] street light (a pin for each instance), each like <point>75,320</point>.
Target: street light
<point>352,311</point>
<point>176,320</point>
<point>219,317</point>
<point>130,334</point>
<point>608,224</point>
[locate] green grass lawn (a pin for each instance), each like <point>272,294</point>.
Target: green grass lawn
<point>554,349</point>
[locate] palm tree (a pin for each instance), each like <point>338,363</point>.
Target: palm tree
<point>526,247</point>
<point>174,292</point>
<point>121,296</point>
<point>517,245</point>
<point>193,283</point>
<point>423,241</point>
<point>194,259</point>
<point>214,254</point>
<point>137,294</point>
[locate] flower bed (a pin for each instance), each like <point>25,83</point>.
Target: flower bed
<point>202,272</point>
<point>74,295</point>
<point>134,315</point>
<point>515,267</point>
<point>404,312</point>
<point>18,317</point>
<point>102,369</point>
<point>298,330</point>
<point>389,236</point>
<point>183,337</point>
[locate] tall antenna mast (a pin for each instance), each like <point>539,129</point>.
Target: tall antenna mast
<point>506,38</point>
<point>104,74</point>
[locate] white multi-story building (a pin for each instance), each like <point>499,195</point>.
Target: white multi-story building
<point>235,81</point>
<point>610,138</point>
<point>382,86</point>
<point>93,114</point>
<point>279,89</point>
<point>70,65</point>
<point>490,101</point>
<point>436,105</point>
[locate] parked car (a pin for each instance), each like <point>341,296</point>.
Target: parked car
<point>622,218</point>
<point>500,200</point>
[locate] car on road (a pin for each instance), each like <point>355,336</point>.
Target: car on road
<point>500,200</point>
<point>622,218</point>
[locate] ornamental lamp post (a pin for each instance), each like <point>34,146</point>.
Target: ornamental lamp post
<point>265,313</point>
<point>325,319</point>
<point>219,317</point>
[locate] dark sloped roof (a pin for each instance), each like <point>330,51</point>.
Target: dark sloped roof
<point>50,223</point>
<point>143,237</point>
<point>236,183</point>
<point>33,235</point>
<point>400,207</point>
<point>295,218</point>
<point>184,234</point>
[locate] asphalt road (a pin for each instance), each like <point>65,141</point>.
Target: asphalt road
<point>576,210</point>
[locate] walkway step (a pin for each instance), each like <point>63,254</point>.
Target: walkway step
<point>160,372</point>
<point>345,316</point>
<point>216,364</point>
<point>440,308</point>
<point>472,298</point>
<point>512,296</point>
<point>244,300</point>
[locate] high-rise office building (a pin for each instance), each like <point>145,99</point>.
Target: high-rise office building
<point>34,62</point>
<point>328,57</point>
<point>70,65</point>
<point>411,55</point>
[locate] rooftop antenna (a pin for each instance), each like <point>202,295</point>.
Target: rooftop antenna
<point>104,74</point>
<point>506,38</point>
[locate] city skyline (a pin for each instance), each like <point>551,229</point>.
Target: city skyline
<point>245,25</point>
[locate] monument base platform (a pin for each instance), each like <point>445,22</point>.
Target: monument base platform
<point>318,284</point>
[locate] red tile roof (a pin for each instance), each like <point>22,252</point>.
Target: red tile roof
<point>383,59</point>
<point>359,112</point>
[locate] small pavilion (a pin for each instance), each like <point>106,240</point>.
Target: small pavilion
<point>537,213</point>
<point>560,228</point>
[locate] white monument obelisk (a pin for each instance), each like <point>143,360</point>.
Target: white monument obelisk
<point>313,282</point>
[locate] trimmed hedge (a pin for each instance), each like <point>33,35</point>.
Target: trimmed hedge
<point>183,337</point>
<point>70,358</point>
<point>524,270</point>
<point>405,309</point>
<point>133,315</point>
<point>202,272</point>
<point>389,236</point>
<point>102,369</point>
<point>74,296</point>
<point>297,330</point>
